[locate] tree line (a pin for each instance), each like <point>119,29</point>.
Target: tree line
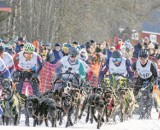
<point>75,20</point>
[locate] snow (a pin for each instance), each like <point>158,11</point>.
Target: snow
<point>131,124</point>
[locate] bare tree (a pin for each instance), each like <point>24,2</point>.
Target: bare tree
<point>76,20</point>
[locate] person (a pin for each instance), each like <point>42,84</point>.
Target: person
<point>76,45</point>
<point>36,46</point>
<point>147,77</point>
<point>65,49</point>
<point>44,49</point>
<point>123,49</point>
<point>147,44</point>
<point>110,51</point>
<point>146,69</point>
<point>19,45</point>
<point>54,55</point>
<point>94,61</point>
<point>139,47</point>
<point>84,56</point>
<point>8,59</point>
<point>117,65</point>
<point>71,62</point>
<point>119,44</point>
<point>4,72</point>
<point>93,44</point>
<point>27,65</point>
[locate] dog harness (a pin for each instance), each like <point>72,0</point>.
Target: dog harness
<point>9,108</point>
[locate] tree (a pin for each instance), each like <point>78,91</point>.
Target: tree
<point>76,20</point>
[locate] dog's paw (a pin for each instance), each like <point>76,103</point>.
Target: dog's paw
<point>87,120</point>
<point>71,124</point>
<point>91,120</point>
<point>75,122</point>
<point>67,124</point>
<point>27,123</point>
<point>60,123</point>
<point>79,117</point>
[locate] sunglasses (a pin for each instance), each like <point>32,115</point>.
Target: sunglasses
<point>141,58</point>
<point>116,59</point>
<point>83,52</point>
<point>73,56</point>
<point>28,53</point>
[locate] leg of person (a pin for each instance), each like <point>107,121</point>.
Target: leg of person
<point>19,85</point>
<point>35,87</point>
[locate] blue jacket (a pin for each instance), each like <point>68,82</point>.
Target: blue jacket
<point>54,56</point>
<point>109,54</point>
<point>18,48</point>
<point>137,48</point>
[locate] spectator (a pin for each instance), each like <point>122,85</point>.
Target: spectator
<point>137,48</point>
<point>93,44</point>
<point>54,55</point>
<point>111,50</point>
<point>65,49</point>
<point>36,46</point>
<point>120,43</point>
<point>19,45</point>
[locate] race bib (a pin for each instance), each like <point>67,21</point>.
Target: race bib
<point>145,74</point>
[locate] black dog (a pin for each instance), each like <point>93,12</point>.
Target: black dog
<point>10,104</point>
<point>31,109</point>
<point>67,107</point>
<point>48,111</point>
<point>145,105</point>
<point>94,102</point>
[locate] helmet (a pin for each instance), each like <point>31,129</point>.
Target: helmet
<point>116,54</point>
<point>143,53</point>
<point>73,51</point>
<point>28,47</point>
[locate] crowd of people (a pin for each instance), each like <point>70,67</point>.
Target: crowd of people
<point>92,61</point>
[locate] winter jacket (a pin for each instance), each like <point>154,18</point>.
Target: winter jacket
<point>137,48</point>
<point>54,56</point>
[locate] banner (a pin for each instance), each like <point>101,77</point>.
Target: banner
<point>46,77</point>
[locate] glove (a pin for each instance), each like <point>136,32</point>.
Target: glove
<point>77,76</point>
<point>154,81</point>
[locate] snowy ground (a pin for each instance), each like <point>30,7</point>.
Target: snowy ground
<point>131,124</point>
